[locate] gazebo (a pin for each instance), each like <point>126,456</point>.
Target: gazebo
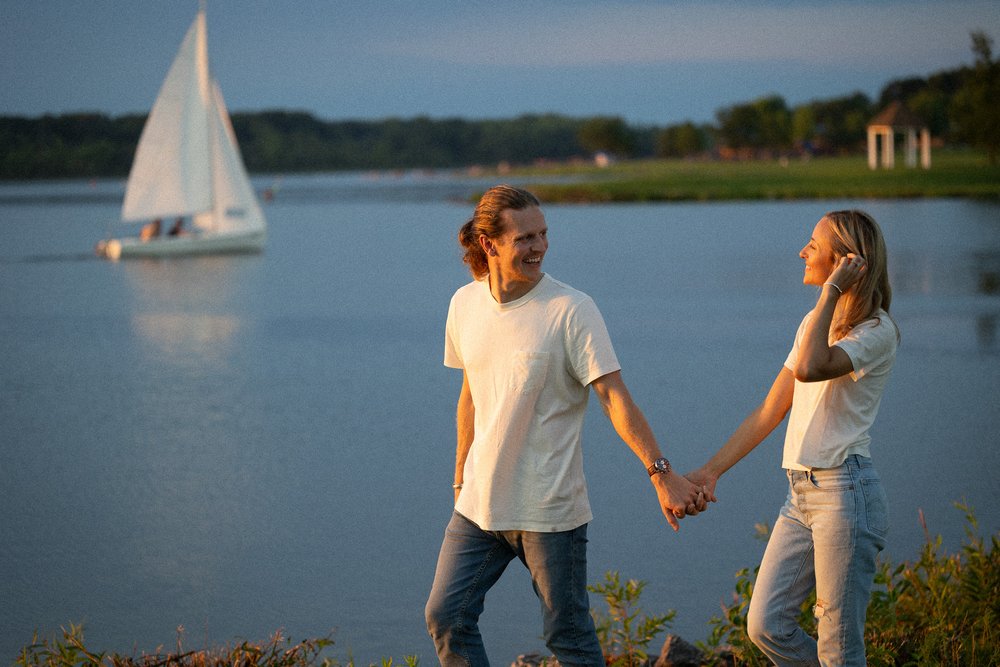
<point>897,119</point>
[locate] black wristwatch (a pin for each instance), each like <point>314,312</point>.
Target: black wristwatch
<point>660,465</point>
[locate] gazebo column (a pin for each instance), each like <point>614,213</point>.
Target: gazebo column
<point>911,147</point>
<point>925,148</point>
<point>872,148</point>
<point>888,149</point>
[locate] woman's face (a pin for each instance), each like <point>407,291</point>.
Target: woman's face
<point>818,254</point>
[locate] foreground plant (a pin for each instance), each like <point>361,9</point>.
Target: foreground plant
<point>69,651</point>
<point>623,634</point>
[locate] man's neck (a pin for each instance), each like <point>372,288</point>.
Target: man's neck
<point>505,293</point>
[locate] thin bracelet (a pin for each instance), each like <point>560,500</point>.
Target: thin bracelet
<point>835,285</point>
<point>457,486</point>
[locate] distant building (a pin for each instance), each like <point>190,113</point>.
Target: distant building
<point>897,119</point>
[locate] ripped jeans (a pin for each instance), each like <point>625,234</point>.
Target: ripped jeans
<point>827,536</point>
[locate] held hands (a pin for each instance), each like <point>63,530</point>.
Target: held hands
<point>678,497</point>
<point>847,272</point>
<point>705,481</point>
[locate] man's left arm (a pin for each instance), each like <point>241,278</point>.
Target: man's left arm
<point>674,492</point>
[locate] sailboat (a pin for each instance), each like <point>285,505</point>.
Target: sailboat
<point>188,166</point>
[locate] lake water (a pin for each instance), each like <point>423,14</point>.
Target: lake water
<point>238,445</point>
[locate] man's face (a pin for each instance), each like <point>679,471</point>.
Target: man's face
<point>522,246</point>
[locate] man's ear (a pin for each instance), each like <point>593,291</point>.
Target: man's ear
<point>487,245</point>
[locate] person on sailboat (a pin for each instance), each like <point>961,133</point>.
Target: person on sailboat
<point>530,349</point>
<point>151,230</point>
<point>178,227</point>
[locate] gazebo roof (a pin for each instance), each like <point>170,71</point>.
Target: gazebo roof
<point>897,115</point>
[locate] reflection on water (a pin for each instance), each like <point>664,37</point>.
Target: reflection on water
<point>186,307</point>
<point>188,478</point>
<point>951,260</point>
<point>987,268</point>
<point>181,336</point>
<point>986,332</point>
<point>197,282</point>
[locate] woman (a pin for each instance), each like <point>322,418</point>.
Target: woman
<point>834,521</point>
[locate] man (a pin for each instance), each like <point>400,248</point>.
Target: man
<point>529,347</point>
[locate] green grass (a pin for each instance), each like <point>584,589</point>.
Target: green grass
<point>952,174</point>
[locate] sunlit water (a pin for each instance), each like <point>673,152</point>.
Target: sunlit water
<point>237,445</point>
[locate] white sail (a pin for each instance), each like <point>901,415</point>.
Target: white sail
<point>235,208</point>
<point>171,174</point>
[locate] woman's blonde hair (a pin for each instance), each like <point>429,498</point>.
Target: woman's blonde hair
<point>857,232</point>
<point>486,222</point>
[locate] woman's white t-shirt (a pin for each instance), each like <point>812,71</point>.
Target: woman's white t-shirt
<point>830,419</point>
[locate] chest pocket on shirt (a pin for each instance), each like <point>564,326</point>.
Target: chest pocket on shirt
<point>530,370</point>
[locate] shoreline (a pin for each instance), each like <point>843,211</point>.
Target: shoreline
<point>953,174</point>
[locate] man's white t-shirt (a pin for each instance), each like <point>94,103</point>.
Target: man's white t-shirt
<point>830,419</point>
<point>529,363</point>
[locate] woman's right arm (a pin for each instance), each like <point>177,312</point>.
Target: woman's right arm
<point>757,426</point>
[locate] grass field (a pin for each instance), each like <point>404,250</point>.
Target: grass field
<point>952,174</point>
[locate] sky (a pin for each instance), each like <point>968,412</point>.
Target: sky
<point>649,62</point>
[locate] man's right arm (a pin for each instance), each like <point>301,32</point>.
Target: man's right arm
<point>675,493</point>
<point>465,422</point>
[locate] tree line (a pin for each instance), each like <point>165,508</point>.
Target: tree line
<point>959,106</point>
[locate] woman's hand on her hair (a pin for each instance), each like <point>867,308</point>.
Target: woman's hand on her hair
<point>848,271</point>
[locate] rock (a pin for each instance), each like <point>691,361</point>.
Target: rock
<point>535,660</point>
<point>678,653</point>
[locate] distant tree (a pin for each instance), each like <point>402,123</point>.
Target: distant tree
<point>975,108</point>
<point>608,134</point>
<point>681,140</point>
<point>804,125</point>
<point>931,106</point>
<point>900,90</point>
<point>841,123</point>
<point>764,123</point>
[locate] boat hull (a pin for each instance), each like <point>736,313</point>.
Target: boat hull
<point>178,246</point>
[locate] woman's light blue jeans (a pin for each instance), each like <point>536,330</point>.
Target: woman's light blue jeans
<point>827,536</point>
<point>472,560</point>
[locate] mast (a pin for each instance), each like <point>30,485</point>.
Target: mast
<point>208,218</point>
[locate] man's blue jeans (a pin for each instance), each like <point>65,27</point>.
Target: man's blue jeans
<point>472,560</point>
<point>827,537</point>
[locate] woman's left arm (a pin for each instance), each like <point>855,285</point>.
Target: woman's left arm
<point>818,360</point>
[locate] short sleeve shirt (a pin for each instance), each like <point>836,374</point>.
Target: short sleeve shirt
<point>529,364</point>
<point>830,419</point>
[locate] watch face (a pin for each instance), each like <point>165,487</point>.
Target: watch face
<point>658,466</point>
